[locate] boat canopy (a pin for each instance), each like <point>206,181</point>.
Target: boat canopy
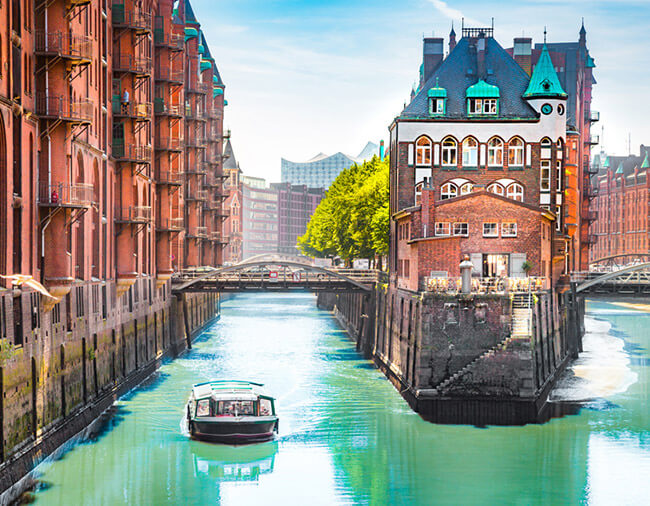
<point>229,390</point>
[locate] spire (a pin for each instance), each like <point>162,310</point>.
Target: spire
<point>452,38</point>
<point>229,155</point>
<point>452,33</point>
<point>645,164</point>
<point>544,81</point>
<point>582,28</point>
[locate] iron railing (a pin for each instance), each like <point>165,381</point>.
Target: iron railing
<point>63,44</point>
<point>131,18</point>
<point>162,108</point>
<point>169,74</point>
<point>65,194</point>
<point>169,144</point>
<point>133,214</point>
<point>140,111</point>
<point>169,177</point>
<point>60,107</point>
<point>132,153</point>
<point>452,285</point>
<point>170,40</point>
<point>129,63</point>
<point>170,225</point>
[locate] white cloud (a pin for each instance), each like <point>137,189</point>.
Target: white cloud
<point>454,14</point>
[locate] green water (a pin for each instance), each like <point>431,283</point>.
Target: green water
<point>347,437</point>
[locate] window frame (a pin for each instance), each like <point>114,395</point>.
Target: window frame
<point>545,180</point>
<point>495,152</point>
<point>423,151</point>
<point>496,229</point>
<point>469,150</point>
<point>504,229</point>
<point>515,186</point>
<point>448,193</point>
<point>516,150</point>
<point>496,185</point>
<point>461,225</point>
<point>449,146</point>
<point>442,225</point>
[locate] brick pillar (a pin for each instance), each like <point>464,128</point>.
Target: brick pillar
<point>428,210</point>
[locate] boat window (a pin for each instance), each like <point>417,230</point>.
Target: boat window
<point>265,407</point>
<point>235,408</point>
<point>203,408</point>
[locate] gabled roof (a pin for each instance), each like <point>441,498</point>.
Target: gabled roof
<point>460,70</point>
<point>544,81</point>
<point>189,13</point>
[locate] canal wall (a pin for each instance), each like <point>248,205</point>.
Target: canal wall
<point>71,363</point>
<point>478,359</point>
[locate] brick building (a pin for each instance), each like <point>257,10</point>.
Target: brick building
<point>233,225</point>
<point>111,144</point>
<point>620,209</point>
<point>478,166</point>
<point>296,205</point>
<point>574,67</point>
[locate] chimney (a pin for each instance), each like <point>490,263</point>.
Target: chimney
<point>427,208</point>
<point>480,56</point>
<point>432,55</point>
<point>522,52</point>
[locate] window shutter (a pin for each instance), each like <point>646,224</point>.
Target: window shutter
<point>477,260</point>
<point>516,261</point>
<point>410,153</point>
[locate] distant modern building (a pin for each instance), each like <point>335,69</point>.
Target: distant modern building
<point>620,212</point>
<point>259,217</point>
<point>296,205</point>
<point>321,171</point>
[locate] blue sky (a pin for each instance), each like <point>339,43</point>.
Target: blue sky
<point>305,76</point>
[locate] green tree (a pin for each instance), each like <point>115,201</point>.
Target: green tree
<point>352,220</point>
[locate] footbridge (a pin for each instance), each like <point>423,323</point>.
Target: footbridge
<point>274,274</point>
<point>630,281</point>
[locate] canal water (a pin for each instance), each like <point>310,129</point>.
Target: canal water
<point>346,435</point>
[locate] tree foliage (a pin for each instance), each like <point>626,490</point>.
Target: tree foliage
<point>352,221</point>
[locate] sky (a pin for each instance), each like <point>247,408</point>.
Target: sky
<point>304,77</point>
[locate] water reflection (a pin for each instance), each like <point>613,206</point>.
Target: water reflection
<point>233,463</point>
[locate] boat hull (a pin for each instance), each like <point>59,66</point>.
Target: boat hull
<point>235,431</point>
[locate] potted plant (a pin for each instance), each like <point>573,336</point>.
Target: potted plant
<point>526,267</point>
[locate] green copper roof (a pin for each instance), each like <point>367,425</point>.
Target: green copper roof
<point>205,65</point>
<point>544,81</point>
<point>201,49</point>
<point>437,91</point>
<point>590,62</point>
<point>606,163</point>
<point>216,92</point>
<point>225,102</point>
<point>190,33</point>
<point>482,90</point>
<point>620,168</point>
<point>645,164</point>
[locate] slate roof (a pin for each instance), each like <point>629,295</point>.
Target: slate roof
<point>544,81</point>
<point>459,71</point>
<point>189,13</point>
<point>622,165</point>
<point>230,162</point>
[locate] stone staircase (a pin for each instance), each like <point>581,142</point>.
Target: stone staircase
<point>521,321</point>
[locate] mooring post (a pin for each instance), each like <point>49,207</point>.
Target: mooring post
<point>188,334</point>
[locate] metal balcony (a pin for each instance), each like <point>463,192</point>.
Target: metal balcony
<point>133,214</point>
<point>75,49</point>
<point>169,144</point>
<point>169,178</point>
<point>138,65</point>
<point>132,18</point>
<point>169,75</point>
<point>593,116</point>
<point>196,195</point>
<point>591,239</point>
<point>132,153</point>
<point>198,88</point>
<point>194,115</point>
<point>226,134</point>
<point>61,108</point>
<point>591,192</point>
<point>171,41</point>
<point>196,169</point>
<point>136,111</point>
<point>593,140</point>
<point>162,108</point>
<point>223,213</point>
<point>170,225</point>
<point>195,142</point>
<point>73,195</point>
<point>591,170</point>
<point>591,216</point>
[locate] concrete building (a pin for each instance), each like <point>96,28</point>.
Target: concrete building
<point>478,166</point>
<point>321,171</point>
<point>259,218</point>
<point>296,205</point>
<point>620,210</point>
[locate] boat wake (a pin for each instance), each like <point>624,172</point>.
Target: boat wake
<point>601,371</point>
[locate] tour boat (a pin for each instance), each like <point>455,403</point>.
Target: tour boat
<point>231,411</point>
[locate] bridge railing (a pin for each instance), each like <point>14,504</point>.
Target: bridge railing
<point>452,285</point>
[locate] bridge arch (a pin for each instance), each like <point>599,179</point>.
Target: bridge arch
<point>634,277</point>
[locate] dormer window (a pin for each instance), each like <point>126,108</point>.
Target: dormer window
<point>437,100</point>
<point>482,99</point>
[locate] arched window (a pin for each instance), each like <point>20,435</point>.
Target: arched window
<point>466,188</point>
<point>545,145</point>
<point>470,151</point>
<point>516,152</point>
<point>423,151</point>
<point>515,192</point>
<point>448,191</point>
<point>449,150</point>
<point>560,149</point>
<point>496,188</point>
<point>495,152</point>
